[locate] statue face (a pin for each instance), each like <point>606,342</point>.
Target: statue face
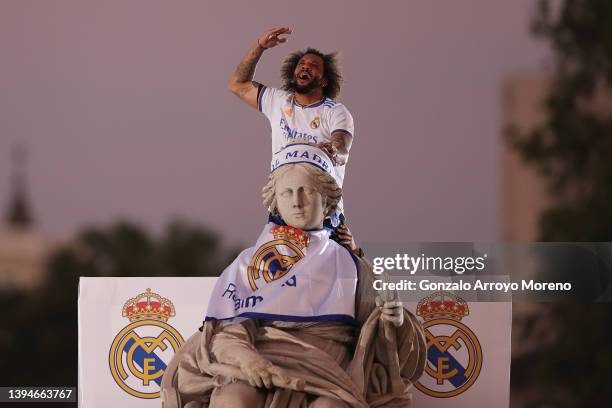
<point>298,201</point>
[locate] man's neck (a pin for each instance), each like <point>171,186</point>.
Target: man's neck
<point>309,98</point>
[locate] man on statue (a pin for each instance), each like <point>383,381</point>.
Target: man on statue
<point>304,109</point>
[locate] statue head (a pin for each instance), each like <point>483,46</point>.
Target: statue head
<point>302,194</point>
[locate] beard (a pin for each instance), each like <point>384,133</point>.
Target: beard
<point>314,84</point>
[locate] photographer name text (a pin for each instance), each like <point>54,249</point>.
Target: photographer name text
<point>477,285</point>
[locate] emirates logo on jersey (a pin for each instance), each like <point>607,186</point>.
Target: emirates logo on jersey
<point>316,122</point>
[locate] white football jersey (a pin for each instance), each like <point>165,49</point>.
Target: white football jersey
<point>295,123</point>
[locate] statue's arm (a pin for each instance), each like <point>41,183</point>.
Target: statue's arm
<point>233,344</point>
<point>231,340</point>
<point>387,301</point>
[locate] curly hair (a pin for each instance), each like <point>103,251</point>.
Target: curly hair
<point>331,71</point>
<point>324,184</point>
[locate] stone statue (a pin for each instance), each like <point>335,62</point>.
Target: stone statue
<point>312,332</point>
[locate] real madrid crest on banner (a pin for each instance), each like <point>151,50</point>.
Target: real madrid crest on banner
<point>141,351</point>
<point>454,353</point>
<point>274,259</point>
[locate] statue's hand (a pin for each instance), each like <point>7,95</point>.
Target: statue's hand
<point>391,311</point>
<point>259,371</point>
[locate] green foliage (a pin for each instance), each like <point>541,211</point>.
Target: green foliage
<point>125,249</point>
<point>572,370</point>
<point>573,151</point>
<point>573,148</point>
<point>38,340</point>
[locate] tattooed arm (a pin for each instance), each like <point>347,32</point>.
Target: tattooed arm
<point>338,148</point>
<point>241,82</point>
<point>342,128</point>
<point>341,142</point>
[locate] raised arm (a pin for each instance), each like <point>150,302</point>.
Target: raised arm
<point>241,82</point>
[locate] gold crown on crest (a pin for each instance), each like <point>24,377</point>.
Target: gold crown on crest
<point>442,305</point>
<point>148,305</point>
<point>295,235</point>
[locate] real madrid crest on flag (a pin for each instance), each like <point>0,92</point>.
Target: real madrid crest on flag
<point>141,351</point>
<point>274,259</point>
<point>454,353</point>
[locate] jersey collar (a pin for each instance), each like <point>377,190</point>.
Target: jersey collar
<point>312,105</point>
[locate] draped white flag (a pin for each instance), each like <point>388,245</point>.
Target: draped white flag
<point>289,275</point>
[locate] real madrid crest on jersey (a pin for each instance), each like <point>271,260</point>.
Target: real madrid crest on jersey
<point>454,354</point>
<point>316,122</point>
<point>274,259</point>
<point>141,351</point>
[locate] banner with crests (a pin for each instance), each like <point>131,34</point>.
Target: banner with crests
<point>131,327</point>
<point>129,330</point>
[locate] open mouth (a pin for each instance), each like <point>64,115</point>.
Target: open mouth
<point>304,76</point>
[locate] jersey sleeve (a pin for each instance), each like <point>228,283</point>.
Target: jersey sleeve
<point>341,120</point>
<point>269,99</point>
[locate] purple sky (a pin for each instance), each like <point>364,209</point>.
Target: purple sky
<point>125,110</point>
